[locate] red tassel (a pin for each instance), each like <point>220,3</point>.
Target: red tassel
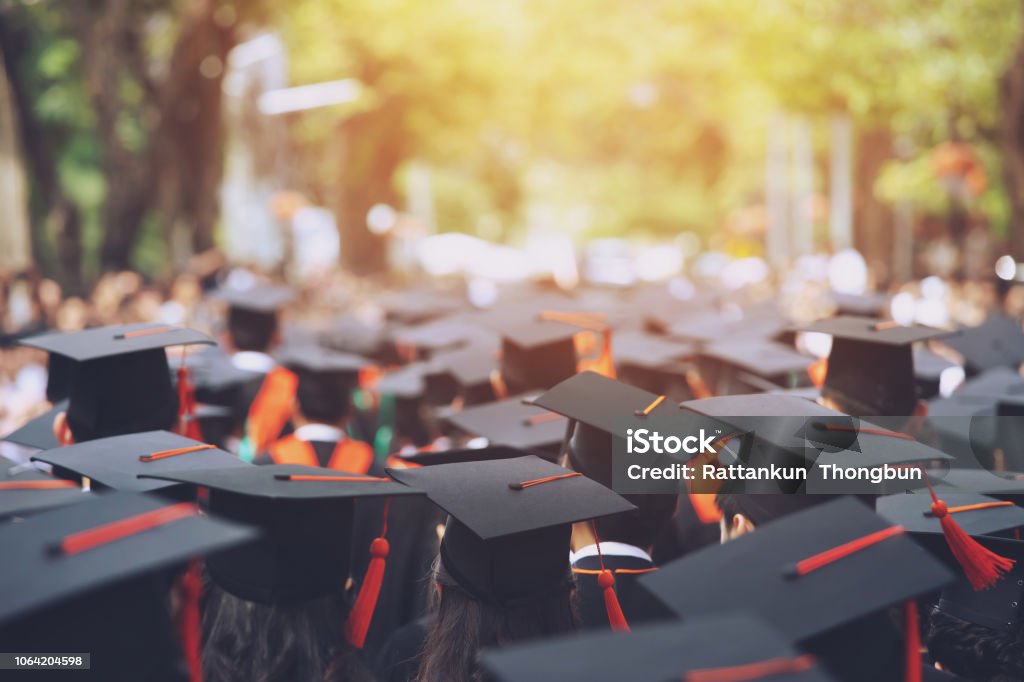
<point>912,635</point>
<point>982,566</point>
<point>358,623</point>
<point>606,579</point>
<point>190,587</point>
<point>188,426</point>
<point>616,618</point>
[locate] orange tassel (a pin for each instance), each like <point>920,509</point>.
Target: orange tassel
<point>982,566</point>
<point>190,587</point>
<point>817,371</point>
<point>188,426</point>
<point>912,634</point>
<point>705,507</point>
<point>358,623</point>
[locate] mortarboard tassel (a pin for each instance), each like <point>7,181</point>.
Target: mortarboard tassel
<point>606,579</point>
<point>188,426</point>
<point>912,636</point>
<point>981,566</point>
<point>817,371</point>
<point>359,619</point>
<point>190,589</point>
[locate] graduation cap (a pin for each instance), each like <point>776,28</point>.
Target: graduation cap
<point>509,523</point>
<point>60,373</point>
<point>119,462</point>
<point>326,380</point>
<point>871,366</point>
<point>456,455</point>
<point>122,382</point>
<point>996,342</point>
<point>351,334</point>
<point>1002,484</point>
<point>512,423</point>
<point>597,407</point>
<point>756,364</point>
<point>861,305</point>
<point>536,353</point>
<point>419,305</point>
<point>443,334</point>
<point>306,517</point>
<point>252,317</point>
<point>652,362</point>
<point>38,431</point>
<point>929,368</point>
<point>25,490</point>
<point>999,607</point>
<point>94,578</point>
<point>813,575</point>
<point>473,371</point>
<point>691,652</point>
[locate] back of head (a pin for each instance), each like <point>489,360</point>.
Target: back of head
<point>323,397</point>
<point>251,330</point>
<point>464,625</point>
<point>590,453</point>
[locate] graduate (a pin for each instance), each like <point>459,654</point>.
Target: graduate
<point>95,577</point>
<point>121,382</point>
<point>321,412</point>
<point>251,334</point>
<point>277,609</point>
<point>621,544</point>
<point>502,573</point>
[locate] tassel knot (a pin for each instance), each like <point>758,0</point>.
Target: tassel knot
<point>939,509</point>
<point>379,548</point>
<point>606,579</point>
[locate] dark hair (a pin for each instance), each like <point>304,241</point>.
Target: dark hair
<point>245,641</point>
<point>251,330</point>
<point>323,399</point>
<point>462,626</point>
<point>762,508</point>
<point>974,651</point>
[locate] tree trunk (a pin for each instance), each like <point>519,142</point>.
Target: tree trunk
<point>14,238</point>
<point>1012,104</point>
<point>873,224</point>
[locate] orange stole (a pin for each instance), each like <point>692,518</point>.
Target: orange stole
<point>352,456</point>
<point>272,408</point>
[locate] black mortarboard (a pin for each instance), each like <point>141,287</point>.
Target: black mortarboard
<point>535,353</point>
<point>419,305</point>
<point>998,607</point>
<point>122,379</point>
<point>472,369</point>
<point>457,455</point>
<point>60,373</point>
<point>252,316</point>
<point>511,422</point>
<point>755,364</point>
<point>720,644</point>
<point>443,334</point>
<point>815,575</point>
<point>635,348</point>
<point>793,431</point>
<point>352,334</point>
<point>66,551</point>
<point>976,514</point>
<point>25,490</point>
<point>405,382</point>
<point>996,342</point>
<point>305,550</point>
<point>38,431</point>
<point>119,461</point>
<point>1002,484</point>
<point>871,365</point>
<point>599,407</point>
<point>510,522</point>
<point>215,378</point>
<point>94,578</point>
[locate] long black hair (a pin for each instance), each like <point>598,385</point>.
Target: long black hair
<point>462,626</point>
<point>245,641</point>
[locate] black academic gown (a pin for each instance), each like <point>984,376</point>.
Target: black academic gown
<point>399,658</point>
<point>323,449</point>
<point>637,604</point>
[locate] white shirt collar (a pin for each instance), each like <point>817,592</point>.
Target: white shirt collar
<point>610,549</point>
<point>253,361</point>
<point>319,432</point>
